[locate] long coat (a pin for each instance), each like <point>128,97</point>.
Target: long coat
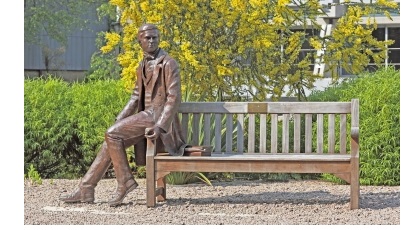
<point>164,91</point>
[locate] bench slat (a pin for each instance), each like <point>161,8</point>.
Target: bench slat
<point>273,133</point>
<point>262,135</point>
<point>331,137</point>
<point>195,129</point>
<point>257,166</point>
<point>308,133</point>
<point>258,157</point>
<point>240,133</point>
<point>285,134</point>
<point>343,133</point>
<point>229,133</point>
<point>251,133</point>
<point>184,125</point>
<point>297,133</point>
<point>213,107</point>
<point>308,107</point>
<point>272,107</point>
<point>217,138</point>
<point>207,129</point>
<point>319,133</point>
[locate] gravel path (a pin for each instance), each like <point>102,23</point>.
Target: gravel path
<point>224,203</point>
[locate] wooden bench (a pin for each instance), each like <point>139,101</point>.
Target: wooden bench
<point>264,137</point>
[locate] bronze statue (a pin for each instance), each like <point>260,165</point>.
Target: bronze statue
<point>150,113</point>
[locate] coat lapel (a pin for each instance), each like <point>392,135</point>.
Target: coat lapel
<point>158,68</point>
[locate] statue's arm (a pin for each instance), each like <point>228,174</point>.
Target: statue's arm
<point>173,95</point>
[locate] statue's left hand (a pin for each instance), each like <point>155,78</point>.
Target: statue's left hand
<point>152,133</point>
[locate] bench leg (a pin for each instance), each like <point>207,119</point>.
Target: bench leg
<point>354,200</point>
<point>150,183</point>
<point>161,183</point>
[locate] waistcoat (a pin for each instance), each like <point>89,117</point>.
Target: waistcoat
<point>147,76</point>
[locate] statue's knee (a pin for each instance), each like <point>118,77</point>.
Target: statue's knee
<point>113,134</point>
<point>110,133</point>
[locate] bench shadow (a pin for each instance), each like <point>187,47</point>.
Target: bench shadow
<point>374,201</point>
<point>380,200</point>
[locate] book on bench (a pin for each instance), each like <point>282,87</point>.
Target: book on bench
<point>198,151</point>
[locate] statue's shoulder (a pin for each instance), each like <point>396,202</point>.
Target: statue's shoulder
<point>168,60</point>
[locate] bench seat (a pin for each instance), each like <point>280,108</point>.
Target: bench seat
<point>259,156</point>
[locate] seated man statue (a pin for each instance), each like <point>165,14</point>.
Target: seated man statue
<point>151,112</point>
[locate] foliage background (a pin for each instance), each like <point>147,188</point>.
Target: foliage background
<point>64,123</point>
<point>234,48</point>
<point>64,126</point>
<point>379,98</point>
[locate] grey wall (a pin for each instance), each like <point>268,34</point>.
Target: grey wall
<point>70,62</point>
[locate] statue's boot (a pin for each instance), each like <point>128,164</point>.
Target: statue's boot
<point>125,180</point>
<point>85,192</point>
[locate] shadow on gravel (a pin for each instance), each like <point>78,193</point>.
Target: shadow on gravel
<point>307,198</point>
<point>367,201</point>
<point>380,200</point>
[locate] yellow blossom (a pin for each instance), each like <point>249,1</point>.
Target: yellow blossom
<point>120,3</point>
<point>315,43</point>
<point>226,61</point>
<point>112,40</point>
<point>145,6</point>
<point>238,4</point>
<point>282,3</point>
<point>255,3</point>
<point>223,71</point>
<point>278,19</point>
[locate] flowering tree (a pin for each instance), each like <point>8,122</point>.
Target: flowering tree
<point>351,44</point>
<point>235,48</point>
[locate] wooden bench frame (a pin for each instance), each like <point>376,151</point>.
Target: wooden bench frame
<point>343,164</point>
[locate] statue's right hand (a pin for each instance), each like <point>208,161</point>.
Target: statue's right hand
<point>152,133</point>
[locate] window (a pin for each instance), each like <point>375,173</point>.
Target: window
<point>393,52</point>
<point>393,33</point>
<point>306,47</point>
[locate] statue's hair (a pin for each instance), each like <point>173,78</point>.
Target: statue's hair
<point>145,27</point>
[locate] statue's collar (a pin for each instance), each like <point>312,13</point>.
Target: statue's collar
<point>151,56</point>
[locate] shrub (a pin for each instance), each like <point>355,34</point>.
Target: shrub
<point>94,106</point>
<point>379,98</point>
<point>47,132</point>
<point>64,123</point>
<point>33,176</point>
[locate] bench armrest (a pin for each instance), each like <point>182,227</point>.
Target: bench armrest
<point>355,133</point>
<point>151,148</point>
<point>355,142</point>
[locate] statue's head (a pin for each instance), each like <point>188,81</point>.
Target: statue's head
<point>148,37</point>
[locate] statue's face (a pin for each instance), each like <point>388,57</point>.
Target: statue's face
<point>149,41</point>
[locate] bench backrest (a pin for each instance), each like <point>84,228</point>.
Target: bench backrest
<point>270,127</point>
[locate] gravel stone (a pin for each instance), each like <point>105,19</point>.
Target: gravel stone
<point>309,202</point>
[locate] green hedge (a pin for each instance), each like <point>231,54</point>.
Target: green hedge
<point>64,123</point>
<point>379,98</point>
